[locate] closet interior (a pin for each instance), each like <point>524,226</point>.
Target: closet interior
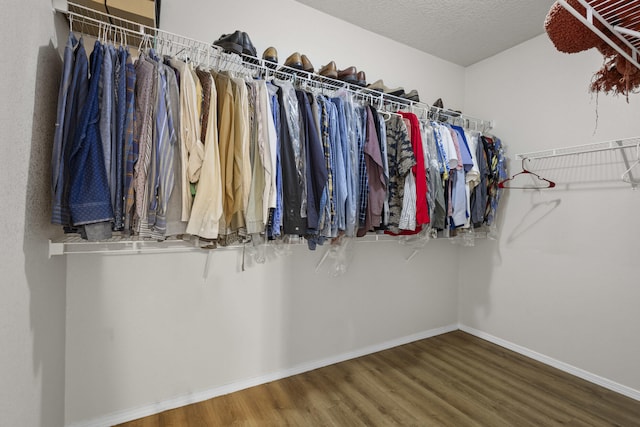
<point>537,288</point>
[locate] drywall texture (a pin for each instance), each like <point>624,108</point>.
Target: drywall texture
<point>563,278</point>
<point>145,329</point>
<point>33,287</point>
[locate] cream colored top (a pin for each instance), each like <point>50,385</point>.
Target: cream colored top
<point>207,205</point>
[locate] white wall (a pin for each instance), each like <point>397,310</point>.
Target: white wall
<point>145,329</point>
<point>32,287</point>
<point>563,278</point>
<point>150,329</point>
<point>290,26</point>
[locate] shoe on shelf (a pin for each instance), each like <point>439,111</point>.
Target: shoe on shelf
<point>270,55</point>
<point>330,70</point>
<point>306,64</point>
<point>294,61</point>
<point>362,79</point>
<point>395,92</point>
<point>381,87</point>
<point>377,85</point>
<point>247,47</point>
<point>348,75</point>
<point>232,43</point>
<point>412,96</point>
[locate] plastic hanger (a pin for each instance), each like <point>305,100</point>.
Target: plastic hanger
<point>626,176</point>
<point>540,182</point>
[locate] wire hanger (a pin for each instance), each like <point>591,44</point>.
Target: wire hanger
<point>540,182</point>
<point>627,176</point>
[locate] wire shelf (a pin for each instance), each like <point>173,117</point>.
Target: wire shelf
<point>581,149</point>
<point>134,34</point>
<point>616,22</point>
<point>118,244</point>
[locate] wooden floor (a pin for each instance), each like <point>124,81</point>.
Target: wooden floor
<point>453,379</point>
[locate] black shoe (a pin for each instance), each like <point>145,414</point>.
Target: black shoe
<point>233,43</point>
<point>396,92</point>
<point>247,47</point>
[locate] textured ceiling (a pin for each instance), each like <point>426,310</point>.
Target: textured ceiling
<point>460,31</point>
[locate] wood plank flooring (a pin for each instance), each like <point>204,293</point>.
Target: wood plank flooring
<point>453,379</point>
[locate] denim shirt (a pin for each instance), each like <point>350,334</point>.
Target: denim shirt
<point>66,96</point>
<point>276,223</point>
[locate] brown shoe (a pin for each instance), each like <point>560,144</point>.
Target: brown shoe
<point>330,70</point>
<point>348,75</point>
<point>270,55</point>
<point>306,64</point>
<point>362,78</point>
<point>294,61</point>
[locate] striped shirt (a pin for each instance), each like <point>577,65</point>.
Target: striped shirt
<point>167,141</point>
<point>130,148</point>
<point>363,186</point>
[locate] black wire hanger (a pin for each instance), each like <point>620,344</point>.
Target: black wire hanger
<point>540,182</point>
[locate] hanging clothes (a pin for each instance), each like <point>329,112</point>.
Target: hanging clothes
<point>131,148</point>
<point>293,171</point>
<point>435,170</point>
<point>401,160</point>
<point>363,176</point>
<point>174,224</point>
<point>422,210</point>
<point>316,170</point>
<point>343,165</point>
<point>207,206</point>
<point>254,218</point>
<point>120,122</point>
<point>376,175</point>
<point>174,149</point>
<point>275,222</point>
<point>66,119</point>
<point>89,195</point>
<point>191,148</point>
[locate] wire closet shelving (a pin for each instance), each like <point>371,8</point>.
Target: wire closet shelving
<point>98,24</point>
<point>609,15</point>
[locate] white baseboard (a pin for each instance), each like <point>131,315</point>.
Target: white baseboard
<point>176,402</point>
<point>580,373</point>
